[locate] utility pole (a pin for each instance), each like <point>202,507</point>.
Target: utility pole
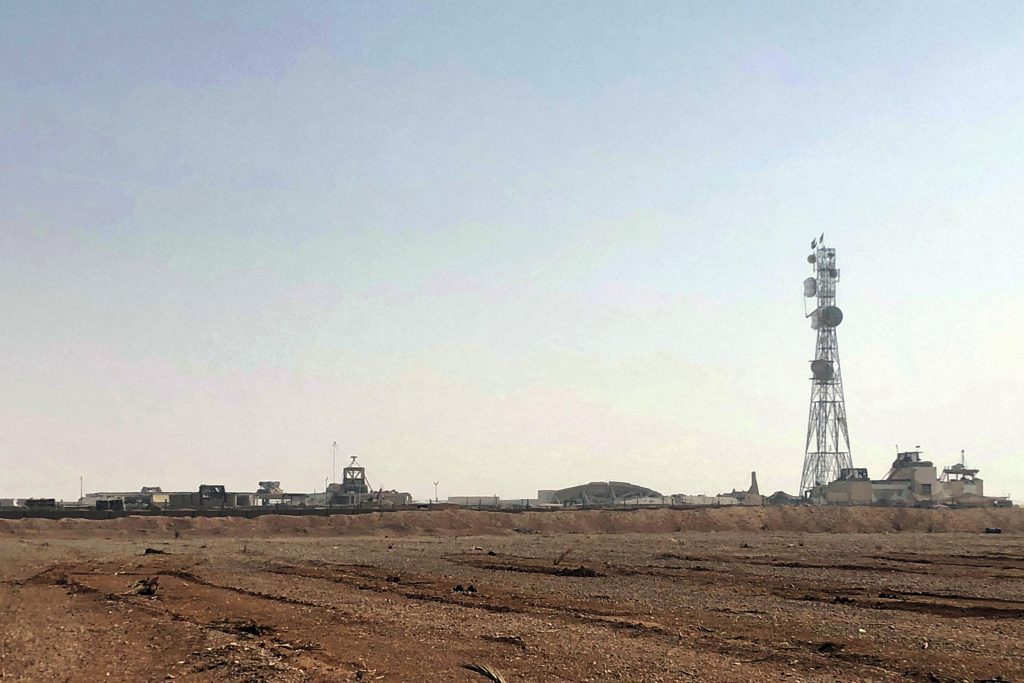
<point>435,491</point>
<point>334,461</point>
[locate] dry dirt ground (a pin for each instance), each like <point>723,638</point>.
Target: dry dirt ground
<point>235,602</point>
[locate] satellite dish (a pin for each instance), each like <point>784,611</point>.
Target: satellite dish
<point>822,370</point>
<point>815,320</point>
<point>810,287</point>
<point>831,316</point>
<point>811,258</point>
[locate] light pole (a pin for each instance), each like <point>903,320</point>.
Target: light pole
<point>435,491</point>
<point>334,461</point>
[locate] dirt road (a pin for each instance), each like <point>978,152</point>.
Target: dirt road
<point>547,606</point>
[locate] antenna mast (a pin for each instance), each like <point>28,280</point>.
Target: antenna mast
<point>827,449</point>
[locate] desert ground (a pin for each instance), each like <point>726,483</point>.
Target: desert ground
<point>667,595</point>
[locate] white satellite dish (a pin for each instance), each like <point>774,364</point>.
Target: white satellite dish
<point>815,320</point>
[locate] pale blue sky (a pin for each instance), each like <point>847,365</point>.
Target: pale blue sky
<point>509,245</point>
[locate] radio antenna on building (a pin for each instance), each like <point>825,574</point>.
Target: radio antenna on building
<point>827,448</point>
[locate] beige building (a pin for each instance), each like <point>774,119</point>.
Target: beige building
<point>910,481</point>
<point>852,488</point>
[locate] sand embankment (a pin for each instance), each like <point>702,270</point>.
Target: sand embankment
<point>471,522</point>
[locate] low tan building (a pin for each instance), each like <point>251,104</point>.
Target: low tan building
<point>910,482</point>
<point>852,488</point>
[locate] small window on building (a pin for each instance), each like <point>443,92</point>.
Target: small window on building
<point>926,489</point>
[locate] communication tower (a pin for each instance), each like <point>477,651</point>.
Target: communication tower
<point>827,450</point>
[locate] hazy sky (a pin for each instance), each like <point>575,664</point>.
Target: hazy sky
<point>506,246</point>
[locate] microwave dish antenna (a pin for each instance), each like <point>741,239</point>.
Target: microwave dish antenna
<point>822,370</point>
<point>831,316</point>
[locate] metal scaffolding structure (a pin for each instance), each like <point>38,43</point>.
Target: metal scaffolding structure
<point>827,449</point>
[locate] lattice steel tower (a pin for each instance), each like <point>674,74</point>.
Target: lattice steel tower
<point>827,450</point>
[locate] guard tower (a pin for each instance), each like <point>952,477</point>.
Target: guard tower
<point>353,488</point>
<point>353,478</point>
<point>827,449</point>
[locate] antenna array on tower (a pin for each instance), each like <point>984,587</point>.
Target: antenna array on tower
<point>827,449</point>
